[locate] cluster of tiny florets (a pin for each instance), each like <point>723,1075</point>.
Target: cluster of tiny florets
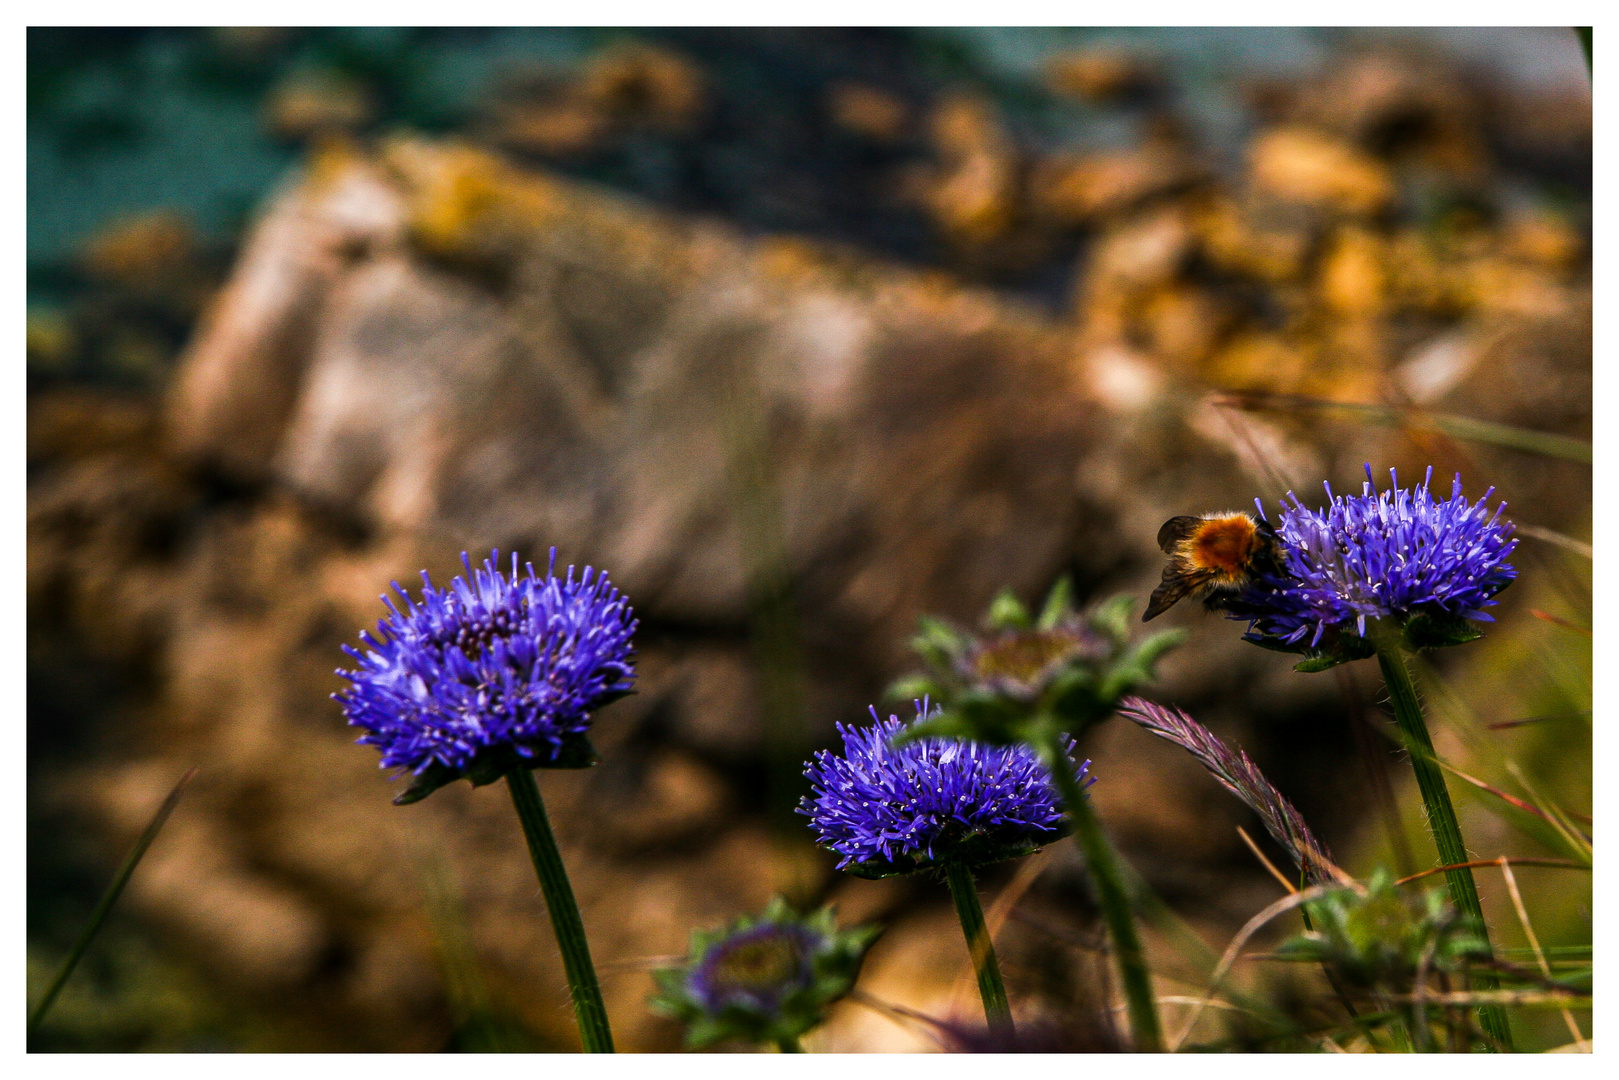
<point>1022,663</point>
<point>1380,554</point>
<point>489,664</point>
<point>755,969</point>
<point>929,801</point>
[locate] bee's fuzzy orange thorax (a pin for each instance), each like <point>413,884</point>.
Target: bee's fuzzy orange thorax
<point>1223,544</point>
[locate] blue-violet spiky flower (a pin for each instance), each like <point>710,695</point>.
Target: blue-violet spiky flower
<point>889,810</point>
<point>763,978</point>
<point>490,674</point>
<point>1401,555</point>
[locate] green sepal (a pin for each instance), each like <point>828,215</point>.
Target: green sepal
<point>1006,612</point>
<point>1321,662</point>
<point>1138,664</point>
<point>1335,648</point>
<point>976,850</point>
<point>937,642</point>
<point>576,752</point>
<point>1059,604</point>
<point>1112,617</point>
<point>1436,630</point>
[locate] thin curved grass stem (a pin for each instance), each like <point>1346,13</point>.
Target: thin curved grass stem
<point>104,905</point>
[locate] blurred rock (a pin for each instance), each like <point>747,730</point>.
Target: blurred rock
<point>318,103</point>
<point>141,250</point>
<point>1101,74</point>
<point>1075,190</point>
<point>868,111</point>
<point>1352,274</point>
<point>619,91</point>
<point>1398,105</point>
<point>51,340</point>
<point>427,349</point>
<point>971,192</point>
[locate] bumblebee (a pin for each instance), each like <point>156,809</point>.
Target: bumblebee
<point>1211,555</point>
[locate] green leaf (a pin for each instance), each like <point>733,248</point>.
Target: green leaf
<point>1276,644</point>
<point>1336,648</point>
<point>426,782</point>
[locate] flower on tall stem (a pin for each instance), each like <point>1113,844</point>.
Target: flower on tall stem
<point>766,979</point>
<point>1386,573</point>
<point>887,810</point>
<point>1396,562</point>
<point>936,803</point>
<point>490,674</point>
<point>492,678</point>
<point>1036,681</point>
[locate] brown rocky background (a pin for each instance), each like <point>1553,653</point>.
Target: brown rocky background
<point>784,448</point>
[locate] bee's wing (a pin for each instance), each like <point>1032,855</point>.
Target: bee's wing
<point>1176,529</point>
<point>1177,584</point>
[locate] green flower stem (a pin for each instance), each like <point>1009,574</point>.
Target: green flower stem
<point>971,914</point>
<point>790,1045</point>
<point>565,923</point>
<point>1103,863</point>
<point>1447,832</point>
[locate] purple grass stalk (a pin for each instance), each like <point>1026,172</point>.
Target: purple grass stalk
<point>1240,776</point>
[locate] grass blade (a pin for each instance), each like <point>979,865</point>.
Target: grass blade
<point>108,898</point>
<point>1477,864</point>
<point>1556,539</point>
<point>1566,828</point>
<point>1470,429</point>
<point>1534,943</point>
<point>1564,623</point>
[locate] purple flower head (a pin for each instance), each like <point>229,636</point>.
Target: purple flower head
<point>887,810</point>
<point>490,674</point>
<point>1395,554</point>
<point>755,969</point>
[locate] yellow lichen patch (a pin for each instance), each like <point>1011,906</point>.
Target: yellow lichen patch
<point>1306,166</point>
<point>461,200</point>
